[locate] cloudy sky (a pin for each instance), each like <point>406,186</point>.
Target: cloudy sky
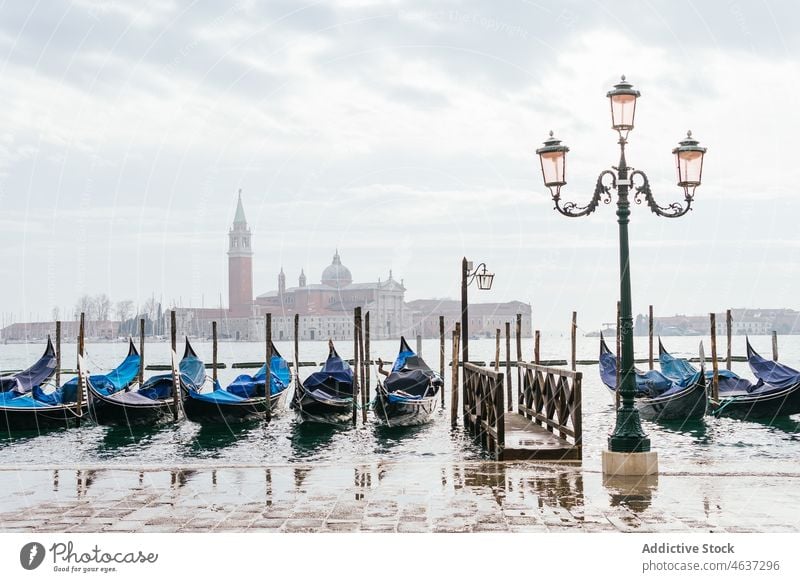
<point>402,132</point>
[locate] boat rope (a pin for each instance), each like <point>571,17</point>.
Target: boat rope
<point>719,410</point>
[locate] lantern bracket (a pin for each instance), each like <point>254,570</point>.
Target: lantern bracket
<point>643,193</point>
<point>601,193</point>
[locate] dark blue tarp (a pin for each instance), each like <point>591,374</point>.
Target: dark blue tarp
<point>37,374</point>
<point>334,377</point>
<point>40,396</point>
<point>650,384</point>
<point>245,386</point>
<point>117,379</point>
<point>405,353</point>
<point>411,378</point>
<point>778,375</point>
<point>251,386</point>
<point>219,395</point>
<point>193,375</point>
<point>730,383</point>
<point>682,371</point>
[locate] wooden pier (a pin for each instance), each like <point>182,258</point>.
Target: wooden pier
<point>547,425</point>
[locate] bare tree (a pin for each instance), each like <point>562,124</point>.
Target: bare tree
<point>151,308</point>
<point>55,313</point>
<point>84,305</point>
<point>124,309</point>
<point>102,307</point>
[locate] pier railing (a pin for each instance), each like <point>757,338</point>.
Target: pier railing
<point>484,407</point>
<point>551,398</point>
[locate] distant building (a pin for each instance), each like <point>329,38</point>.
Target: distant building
<point>325,309</point>
<point>484,318</point>
<point>744,322</point>
<point>39,330</point>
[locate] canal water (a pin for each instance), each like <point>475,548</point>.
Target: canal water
<point>714,445</point>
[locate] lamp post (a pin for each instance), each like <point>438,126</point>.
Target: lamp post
<point>628,435</point>
<point>468,275</point>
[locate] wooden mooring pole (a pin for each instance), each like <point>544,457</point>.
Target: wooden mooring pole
<point>141,351</point>
<point>419,345</point>
<point>714,361</point>
<point>361,369</point>
<point>574,340</point>
<point>58,354</point>
<point>214,350</point>
<point>537,355</point>
<point>454,383</point>
<point>356,317</point>
<point>81,333</point>
<point>268,358</point>
<point>729,332</point>
<point>774,346</point>
<point>81,364</point>
<point>441,353</point>
<point>518,331</point>
<point>176,388</point>
<point>508,367</point>
<point>497,351</point>
<point>650,336</point>
<point>367,360</point>
<point>297,348</point>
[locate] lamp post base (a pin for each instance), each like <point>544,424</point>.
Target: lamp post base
<point>622,464</point>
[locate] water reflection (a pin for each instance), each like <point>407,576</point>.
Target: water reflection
<point>697,429</point>
<point>513,486</point>
<point>83,480</point>
<point>634,492</point>
<point>308,438</point>
<point>179,478</point>
<point>117,437</point>
<point>210,439</point>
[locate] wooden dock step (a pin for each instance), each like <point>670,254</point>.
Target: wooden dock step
<point>527,441</point>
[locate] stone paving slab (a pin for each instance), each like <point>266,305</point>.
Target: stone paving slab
<point>480,496</point>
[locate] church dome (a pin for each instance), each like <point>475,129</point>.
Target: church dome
<point>336,274</point>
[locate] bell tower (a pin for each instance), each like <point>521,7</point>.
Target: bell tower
<point>240,265</point>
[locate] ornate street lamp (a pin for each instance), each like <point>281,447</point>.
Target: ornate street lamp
<point>628,435</point>
<point>468,275</point>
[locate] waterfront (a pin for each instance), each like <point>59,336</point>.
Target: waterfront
<point>720,443</point>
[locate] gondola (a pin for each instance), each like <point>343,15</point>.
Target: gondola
<point>658,397</point>
<point>326,396</point>
<point>408,397</point>
<point>775,393</point>
<point>43,408</point>
<point>244,399</point>
<point>150,402</point>
<point>39,373</point>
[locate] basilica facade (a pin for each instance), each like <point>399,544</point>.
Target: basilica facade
<point>325,308</point>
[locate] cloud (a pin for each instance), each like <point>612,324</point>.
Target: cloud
<point>404,133</point>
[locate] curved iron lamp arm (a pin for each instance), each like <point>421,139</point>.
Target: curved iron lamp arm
<point>674,210</point>
<point>601,192</point>
<point>471,276</point>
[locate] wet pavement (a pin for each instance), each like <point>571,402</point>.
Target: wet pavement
<point>479,496</point>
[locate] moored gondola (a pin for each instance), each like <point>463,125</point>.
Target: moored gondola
<point>326,396</point>
<point>244,399</point>
<point>776,391</point>
<point>408,397</point>
<point>43,407</point>
<point>150,402</point>
<point>39,373</point>
<point>657,396</point>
